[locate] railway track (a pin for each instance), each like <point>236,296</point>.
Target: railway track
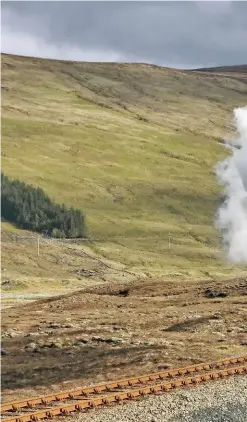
<point>82,399</point>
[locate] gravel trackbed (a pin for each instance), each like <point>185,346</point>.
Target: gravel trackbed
<point>221,401</point>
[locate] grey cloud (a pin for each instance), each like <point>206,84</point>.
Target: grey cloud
<point>182,34</point>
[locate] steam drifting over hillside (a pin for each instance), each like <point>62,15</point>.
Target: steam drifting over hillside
<point>232,174</point>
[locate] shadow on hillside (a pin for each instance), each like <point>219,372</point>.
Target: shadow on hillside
<point>23,369</point>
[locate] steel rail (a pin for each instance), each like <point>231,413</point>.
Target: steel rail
<point>128,395</point>
<point>96,389</point>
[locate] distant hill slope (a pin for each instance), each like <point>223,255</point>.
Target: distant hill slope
<point>132,145</point>
<point>179,100</point>
<point>242,68</point>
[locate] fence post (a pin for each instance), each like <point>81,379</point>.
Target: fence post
<point>38,245</point>
<point>169,241</point>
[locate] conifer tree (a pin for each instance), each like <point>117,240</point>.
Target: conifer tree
<point>30,208</point>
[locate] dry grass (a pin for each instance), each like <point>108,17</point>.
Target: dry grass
<point>120,330</point>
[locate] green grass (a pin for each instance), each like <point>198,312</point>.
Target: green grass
<point>131,145</point>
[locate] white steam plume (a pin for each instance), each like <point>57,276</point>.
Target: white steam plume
<point>232,173</point>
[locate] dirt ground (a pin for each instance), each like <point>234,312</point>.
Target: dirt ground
<point>110,332</point>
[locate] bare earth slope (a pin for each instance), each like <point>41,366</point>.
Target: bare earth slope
<point>134,146</point>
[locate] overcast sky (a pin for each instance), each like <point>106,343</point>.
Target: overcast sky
<point>177,34</point>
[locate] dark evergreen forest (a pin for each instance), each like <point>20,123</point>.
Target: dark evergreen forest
<point>30,208</point>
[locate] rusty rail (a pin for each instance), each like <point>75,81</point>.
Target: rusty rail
<point>132,393</point>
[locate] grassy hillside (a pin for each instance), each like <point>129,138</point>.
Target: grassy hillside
<point>133,146</point>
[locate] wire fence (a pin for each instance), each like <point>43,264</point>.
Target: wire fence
<point>41,240</point>
<point>45,239</point>
<point>169,241</point>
